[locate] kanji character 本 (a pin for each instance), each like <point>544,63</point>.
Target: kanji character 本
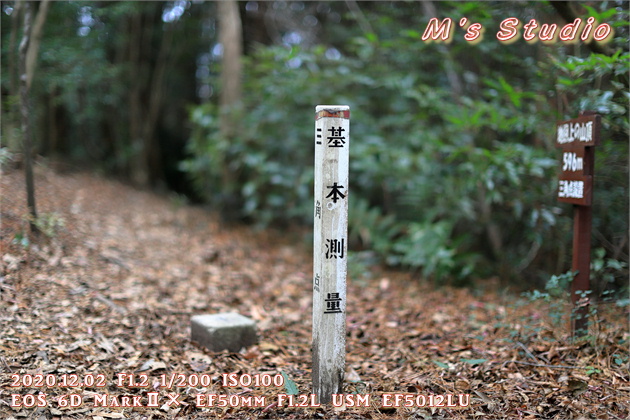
<point>333,303</point>
<point>336,193</point>
<point>336,139</point>
<point>334,248</point>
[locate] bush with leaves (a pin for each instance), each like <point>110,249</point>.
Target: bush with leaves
<point>453,186</point>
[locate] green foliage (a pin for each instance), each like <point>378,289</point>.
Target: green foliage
<point>620,360</point>
<point>442,365</point>
<point>557,289</point>
<point>607,274</point>
<point>269,160</point>
<point>289,385</point>
<point>5,156</point>
<point>558,285</point>
<point>590,370</point>
<point>622,303</point>
<point>370,229</point>
<point>453,169</point>
<point>600,83</point>
<point>427,245</point>
<point>452,182</point>
<point>265,183</point>
<point>556,295</point>
<point>22,240</point>
<point>49,223</point>
<point>474,361</point>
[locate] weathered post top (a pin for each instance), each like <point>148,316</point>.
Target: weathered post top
<point>330,248</point>
<point>332,111</point>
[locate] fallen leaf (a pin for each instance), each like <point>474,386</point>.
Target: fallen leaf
<point>577,386</point>
<point>353,376</point>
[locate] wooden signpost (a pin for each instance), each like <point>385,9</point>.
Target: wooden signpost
<point>330,252</point>
<point>577,139</point>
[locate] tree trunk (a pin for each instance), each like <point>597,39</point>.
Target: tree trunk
<point>153,152</point>
<point>25,114</point>
<point>15,27</point>
<point>139,171</point>
<point>9,126</point>
<point>230,37</point>
<point>121,134</point>
<point>36,39</point>
<point>148,72</point>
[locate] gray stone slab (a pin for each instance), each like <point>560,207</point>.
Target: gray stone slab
<point>228,330</point>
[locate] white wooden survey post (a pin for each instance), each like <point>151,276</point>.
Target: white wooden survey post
<point>330,249</point>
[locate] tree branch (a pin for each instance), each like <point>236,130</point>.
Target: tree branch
<point>25,113</point>
<point>36,38</point>
<point>567,12</point>
<point>359,16</point>
<point>449,65</point>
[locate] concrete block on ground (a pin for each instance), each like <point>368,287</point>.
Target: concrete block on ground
<point>228,330</point>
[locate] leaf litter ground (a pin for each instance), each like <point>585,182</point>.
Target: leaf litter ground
<point>113,291</point>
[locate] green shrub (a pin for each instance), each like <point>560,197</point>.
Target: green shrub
<point>453,187</point>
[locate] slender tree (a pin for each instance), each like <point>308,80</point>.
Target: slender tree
<point>37,31</point>
<point>230,37</point>
<point>29,46</point>
<point>11,75</point>
<point>25,113</point>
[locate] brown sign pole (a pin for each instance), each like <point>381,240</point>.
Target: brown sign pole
<point>577,139</point>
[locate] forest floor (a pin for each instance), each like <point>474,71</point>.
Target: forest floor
<point>113,289</point>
